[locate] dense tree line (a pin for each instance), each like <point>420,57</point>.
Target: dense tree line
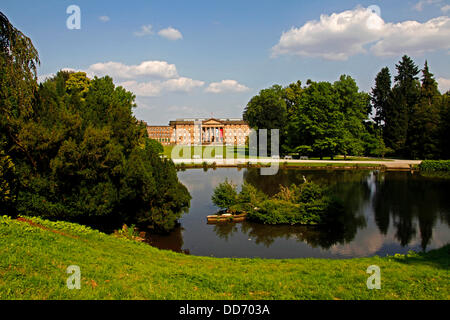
<point>319,119</point>
<point>412,115</point>
<point>409,118</point>
<point>71,149</point>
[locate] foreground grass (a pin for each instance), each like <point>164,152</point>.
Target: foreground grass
<point>34,258</point>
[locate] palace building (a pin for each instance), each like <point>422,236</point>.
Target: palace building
<point>201,132</point>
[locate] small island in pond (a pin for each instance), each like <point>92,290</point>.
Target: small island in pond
<point>305,204</point>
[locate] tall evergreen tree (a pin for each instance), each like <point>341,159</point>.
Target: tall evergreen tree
<point>401,103</point>
<point>445,126</point>
<point>423,135</point>
<point>380,95</point>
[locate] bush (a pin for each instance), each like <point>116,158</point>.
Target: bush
<point>275,211</point>
<point>304,204</point>
<point>435,165</point>
<point>225,195</point>
<point>7,178</point>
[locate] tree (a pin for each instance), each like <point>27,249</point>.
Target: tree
<point>268,110</point>
<point>95,162</point>
<point>380,95</point>
<point>356,107</point>
<point>78,82</point>
<point>400,105</point>
<point>327,119</point>
<point>318,121</point>
<point>18,62</point>
<point>423,136</point>
<point>444,127</point>
<point>75,148</point>
<point>225,195</point>
<point>7,176</point>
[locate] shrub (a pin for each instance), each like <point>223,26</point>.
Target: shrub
<point>308,203</point>
<point>435,165</point>
<point>276,211</point>
<point>7,178</point>
<point>225,195</point>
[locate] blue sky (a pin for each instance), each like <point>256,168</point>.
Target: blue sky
<point>208,58</point>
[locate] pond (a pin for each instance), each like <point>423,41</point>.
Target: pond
<point>385,213</point>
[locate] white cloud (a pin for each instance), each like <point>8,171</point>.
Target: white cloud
<point>43,77</point>
<point>413,37</point>
<point>117,70</point>
<point>182,84</point>
<point>145,31</point>
<point>444,84</point>
<point>157,88</point>
<point>341,35</point>
<point>445,8</point>
<point>104,18</point>
<point>334,37</point>
<point>226,86</point>
<point>148,79</point>
<point>170,33</point>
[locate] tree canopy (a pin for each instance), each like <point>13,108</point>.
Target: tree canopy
<point>71,148</point>
<point>407,118</point>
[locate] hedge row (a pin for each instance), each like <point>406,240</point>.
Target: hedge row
<point>435,165</point>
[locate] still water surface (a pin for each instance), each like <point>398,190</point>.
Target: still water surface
<point>386,213</point>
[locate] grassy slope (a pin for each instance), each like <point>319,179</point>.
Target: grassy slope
<point>33,261</point>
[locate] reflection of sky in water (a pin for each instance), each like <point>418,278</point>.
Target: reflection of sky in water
<point>399,203</point>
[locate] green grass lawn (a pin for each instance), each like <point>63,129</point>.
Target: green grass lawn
<point>209,152</point>
<point>34,258</point>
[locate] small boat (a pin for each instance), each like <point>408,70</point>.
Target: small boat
<point>227,217</point>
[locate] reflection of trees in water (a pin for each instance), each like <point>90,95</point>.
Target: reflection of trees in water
<point>315,236</point>
<point>410,202</point>
<point>350,187</point>
<point>225,230</point>
<point>171,241</point>
<point>405,198</point>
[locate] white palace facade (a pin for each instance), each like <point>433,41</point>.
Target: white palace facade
<point>201,132</point>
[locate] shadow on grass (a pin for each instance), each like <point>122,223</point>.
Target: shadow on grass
<point>439,258</point>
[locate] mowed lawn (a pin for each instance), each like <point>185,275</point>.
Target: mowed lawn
<point>34,258</point>
<point>233,152</point>
<point>206,152</point>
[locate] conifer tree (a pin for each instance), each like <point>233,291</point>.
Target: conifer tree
<point>423,135</point>
<point>380,95</point>
<point>401,103</point>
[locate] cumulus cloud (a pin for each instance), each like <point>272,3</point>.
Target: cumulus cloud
<point>226,86</point>
<point>334,37</point>
<point>341,35</point>
<point>104,18</point>
<point>444,85</point>
<point>117,70</point>
<point>157,88</point>
<point>147,79</point>
<point>170,33</point>
<point>414,37</point>
<point>145,31</point>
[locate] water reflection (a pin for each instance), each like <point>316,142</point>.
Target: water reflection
<point>385,213</point>
<point>413,203</point>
